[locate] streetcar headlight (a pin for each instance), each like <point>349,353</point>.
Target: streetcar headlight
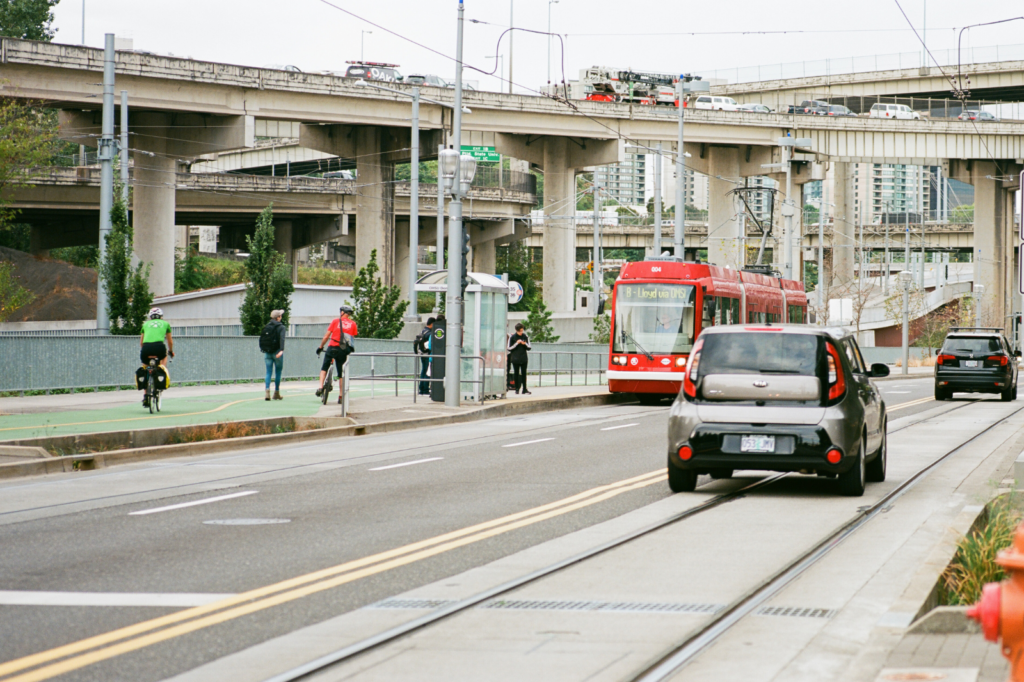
<point>680,362</point>
<point>619,360</point>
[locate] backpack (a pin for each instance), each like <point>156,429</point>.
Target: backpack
<point>269,338</point>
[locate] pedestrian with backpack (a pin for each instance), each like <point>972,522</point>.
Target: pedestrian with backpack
<point>272,345</point>
<point>421,346</point>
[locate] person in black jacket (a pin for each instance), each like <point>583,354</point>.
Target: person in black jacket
<point>272,344</point>
<point>421,346</point>
<point>518,345</point>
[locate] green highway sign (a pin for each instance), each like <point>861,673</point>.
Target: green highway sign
<point>481,153</point>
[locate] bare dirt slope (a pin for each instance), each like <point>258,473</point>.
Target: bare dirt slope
<point>62,291</point>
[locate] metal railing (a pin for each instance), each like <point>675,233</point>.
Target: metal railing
<point>554,362</point>
<point>398,376</point>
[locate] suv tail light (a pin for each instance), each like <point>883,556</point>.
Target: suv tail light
<point>943,359</point>
<point>836,378</point>
<point>997,361</point>
<point>690,378</point>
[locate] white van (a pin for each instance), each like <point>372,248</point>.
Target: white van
<point>901,111</point>
<point>717,103</point>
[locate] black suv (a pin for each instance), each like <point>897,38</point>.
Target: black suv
<point>976,360</point>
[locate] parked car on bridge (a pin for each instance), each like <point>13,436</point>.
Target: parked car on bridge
<point>374,71</point>
<point>433,81</point>
<point>976,360</point>
<point>755,107</point>
<point>976,115</point>
<point>778,397</point>
<point>838,110</point>
<point>901,111</point>
<point>813,106</point>
<point>716,103</point>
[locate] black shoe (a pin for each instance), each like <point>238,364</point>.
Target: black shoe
<point>319,392</point>
<point>525,392</point>
<point>145,402</point>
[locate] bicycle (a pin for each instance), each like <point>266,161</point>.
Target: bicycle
<point>152,398</point>
<point>325,391</point>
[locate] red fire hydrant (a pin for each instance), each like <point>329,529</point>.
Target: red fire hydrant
<point>1001,609</point>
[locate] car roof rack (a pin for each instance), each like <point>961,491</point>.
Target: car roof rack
<point>976,329</point>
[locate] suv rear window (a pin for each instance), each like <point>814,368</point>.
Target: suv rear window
<point>971,344</point>
<point>761,353</point>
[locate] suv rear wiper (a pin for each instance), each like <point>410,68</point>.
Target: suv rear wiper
<point>779,371</point>
<point>640,348</point>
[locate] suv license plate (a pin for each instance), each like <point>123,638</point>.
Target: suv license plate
<point>972,363</point>
<point>757,444</point>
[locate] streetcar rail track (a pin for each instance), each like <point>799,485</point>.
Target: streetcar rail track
<point>740,606</point>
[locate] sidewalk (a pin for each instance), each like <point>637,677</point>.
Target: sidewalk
<point>79,413</point>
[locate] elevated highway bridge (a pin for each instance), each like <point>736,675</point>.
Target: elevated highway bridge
<point>184,108</point>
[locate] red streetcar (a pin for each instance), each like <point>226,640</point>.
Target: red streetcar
<point>660,306</point>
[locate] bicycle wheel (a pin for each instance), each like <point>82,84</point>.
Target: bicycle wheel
<point>156,399</point>
<point>150,393</point>
<point>327,384</point>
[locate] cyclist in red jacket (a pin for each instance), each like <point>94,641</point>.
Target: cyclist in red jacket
<point>339,341</point>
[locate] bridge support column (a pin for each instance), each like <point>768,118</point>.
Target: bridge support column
<point>153,218</point>
<point>844,231</point>
<point>725,240</point>
<point>993,251</point>
<point>284,243</point>
<point>485,257</point>
<point>375,215</point>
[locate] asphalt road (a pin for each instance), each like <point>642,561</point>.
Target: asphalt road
<point>289,512</point>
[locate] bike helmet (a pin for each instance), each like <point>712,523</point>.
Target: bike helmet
<point>347,309</point>
<point>155,313</point>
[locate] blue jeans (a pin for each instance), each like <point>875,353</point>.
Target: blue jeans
<point>424,385</point>
<point>274,366</point>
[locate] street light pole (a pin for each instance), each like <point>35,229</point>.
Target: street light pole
<point>414,208</point>
<point>787,242</point>
<point>679,233</point>
<point>550,2</point>
<point>106,158</point>
<point>124,148</point>
<point>906,278</point>
<point>439,259</point>
<point>453,348</point>
<point>511,24</point>
<point>657,200</point>
<point>597,272</point>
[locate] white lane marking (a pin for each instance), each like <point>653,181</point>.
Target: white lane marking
<point>896,391</point>
<point>621,426</point>
<point>171,599</point>
<point>526,442</point>
<point>194,503</point>
<point>406,464</point>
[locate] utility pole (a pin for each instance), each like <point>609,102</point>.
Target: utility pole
<point>511,33</point>
<point>906,278</point>
<point>860,286</point>
<point>83,24</point>
<point>657,200</point>
<point>453,349</point>
<point>598,274</point>
<point>787,261</point>
<point>106,157</point>
<point>414,208</point>
<point>822,217</point>
<point>922,217</point>
<point>440,224</point>
<point>550,2</point>
<point>679,236</point>
<point>124,148</point>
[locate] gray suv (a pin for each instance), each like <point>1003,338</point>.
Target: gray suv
<point>778,397</point>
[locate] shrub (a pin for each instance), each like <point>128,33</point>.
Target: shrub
<point>974,563</point>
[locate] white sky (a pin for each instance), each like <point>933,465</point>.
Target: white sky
<point>315,36</point>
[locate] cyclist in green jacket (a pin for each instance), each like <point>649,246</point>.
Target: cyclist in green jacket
<point>155,331</point>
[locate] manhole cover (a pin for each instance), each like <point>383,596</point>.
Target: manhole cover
<point>245,522</point>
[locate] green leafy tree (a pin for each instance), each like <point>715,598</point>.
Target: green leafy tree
<point>270,284</point>
<point>378,307</point>
<point>27,19</point>
<point>189,273</point>
<point>514,259</point>
<point>538,322</point>
<point>963,214</point>
<point>128,295</point>
<point>12,294</point>
<point>27,137</point>
<point>602,329</point>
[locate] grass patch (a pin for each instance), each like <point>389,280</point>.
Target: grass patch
<point>974,563</point>
<point>224,430</point>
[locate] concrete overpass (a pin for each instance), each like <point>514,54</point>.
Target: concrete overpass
<point>62,205</point>
<point>185,108</point>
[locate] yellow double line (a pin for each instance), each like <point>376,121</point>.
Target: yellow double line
<point>909,403</point>
<point>63,659</point>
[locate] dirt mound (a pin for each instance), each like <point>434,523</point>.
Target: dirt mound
<point>62,291</point>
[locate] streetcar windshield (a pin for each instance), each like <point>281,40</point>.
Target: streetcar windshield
<point>654,318</point>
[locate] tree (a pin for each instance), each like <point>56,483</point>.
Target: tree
<point>378,307</point>
<point>26,142</point>
<point>12,294</point>
<point>963,214</point>
<point>189,274</point>
<point>27,19</point>
<point>602,329</point>
<point>128,295</point>
<point>270,284</point>
<point>514,259</point>
<point>538,322</point>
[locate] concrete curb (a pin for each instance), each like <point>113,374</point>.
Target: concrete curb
<point>103,459</point>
